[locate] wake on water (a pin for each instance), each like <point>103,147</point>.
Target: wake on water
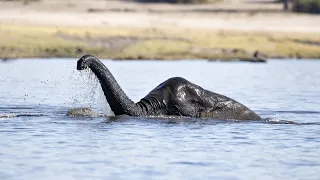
<point>87,112</point>
<point>13,115</point>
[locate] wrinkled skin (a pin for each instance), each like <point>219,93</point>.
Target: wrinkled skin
<point>175,96</point>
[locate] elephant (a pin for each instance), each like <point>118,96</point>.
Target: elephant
<point>174,97</point>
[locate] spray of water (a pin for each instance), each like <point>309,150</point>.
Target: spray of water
<point>88,92</point>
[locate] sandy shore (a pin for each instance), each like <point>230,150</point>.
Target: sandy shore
<point>230,15</point>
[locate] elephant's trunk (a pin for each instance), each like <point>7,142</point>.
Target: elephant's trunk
<point>117,99</point>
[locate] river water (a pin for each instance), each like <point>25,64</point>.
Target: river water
<point>38,141</point>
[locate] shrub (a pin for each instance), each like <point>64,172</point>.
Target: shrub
<point>308,6</point>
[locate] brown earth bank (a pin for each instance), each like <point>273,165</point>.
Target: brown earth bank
<point>127,30</point>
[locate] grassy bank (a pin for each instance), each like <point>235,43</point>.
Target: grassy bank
<point>152,43</point>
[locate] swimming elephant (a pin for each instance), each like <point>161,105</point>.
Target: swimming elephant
<point>175,96</point>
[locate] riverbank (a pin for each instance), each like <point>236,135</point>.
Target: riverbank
<point>152,43</point>
<point>118,30</point>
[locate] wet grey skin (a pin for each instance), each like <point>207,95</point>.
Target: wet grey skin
<point>175,96</point>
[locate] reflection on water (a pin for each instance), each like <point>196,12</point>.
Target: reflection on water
<point>39,141</point>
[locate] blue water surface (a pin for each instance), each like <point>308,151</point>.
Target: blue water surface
<point>38,141</point>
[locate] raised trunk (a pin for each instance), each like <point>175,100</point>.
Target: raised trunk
<point>117,99</point>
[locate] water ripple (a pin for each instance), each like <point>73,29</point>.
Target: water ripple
<point>38,140</point>
<point>12,115</point>
<point>298,112</point>
<point>191,163</point>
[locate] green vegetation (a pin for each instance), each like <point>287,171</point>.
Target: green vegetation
<point>152,43</point>
<point>177,1</point>
<point>309,6</point>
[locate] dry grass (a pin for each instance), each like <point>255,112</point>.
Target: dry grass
<point>152,43</point>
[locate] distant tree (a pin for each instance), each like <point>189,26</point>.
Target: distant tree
<point>286,4</point>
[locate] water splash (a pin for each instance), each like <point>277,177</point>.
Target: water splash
<point>83,112</point>
<point>89,92</point>
<point>278,121</point>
